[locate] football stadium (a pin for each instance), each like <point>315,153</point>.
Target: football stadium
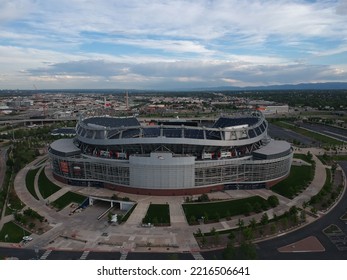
<point>170,157</point>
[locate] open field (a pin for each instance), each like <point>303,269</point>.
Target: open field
<point>66,199</point>
<point>157,214</point>
<point>29,181</point>
<point>46,187</point>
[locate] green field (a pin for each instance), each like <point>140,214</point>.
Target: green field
<point>298,179</point>
<point>68,198</point>
<point>303,157</point>
<point>157,214</point>
<point>14,233</point>
<point>29,181</point>
<point>222,209</point>
<point>46,187</point>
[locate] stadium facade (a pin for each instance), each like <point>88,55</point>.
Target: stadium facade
<point>170,157</point>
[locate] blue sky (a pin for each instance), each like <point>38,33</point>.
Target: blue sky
<point>168,44</point>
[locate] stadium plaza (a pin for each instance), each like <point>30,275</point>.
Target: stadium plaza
<point>82,231</point>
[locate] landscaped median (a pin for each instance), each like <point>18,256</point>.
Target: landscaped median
<point>30,182</point>
<point>46,187</point>
<point>68,198</point>
<point>158,215</point>
<point>210,212</point>
<point>12,233</point>
<point>299,178</point>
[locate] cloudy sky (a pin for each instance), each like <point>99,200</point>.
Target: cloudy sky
<point>171,44</point>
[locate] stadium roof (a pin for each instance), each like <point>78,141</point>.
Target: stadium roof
<point>273,150</point>
<point>112,122</point>
<point>64,147</point>
<point>229,122</point>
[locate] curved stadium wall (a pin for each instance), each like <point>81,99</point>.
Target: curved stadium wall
<point>170,158</point>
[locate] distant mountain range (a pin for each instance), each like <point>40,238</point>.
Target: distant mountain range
<point>303,86</point>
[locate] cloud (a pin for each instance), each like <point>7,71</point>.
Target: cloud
<point>204,20</point>
<point>168,43</point>
<point>12,10</point>
<point>190,73</point>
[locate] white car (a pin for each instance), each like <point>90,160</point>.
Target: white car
<point>27,238</point>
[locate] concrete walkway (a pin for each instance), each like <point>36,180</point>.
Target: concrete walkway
<point>130,235</point>
<point>138,214</point>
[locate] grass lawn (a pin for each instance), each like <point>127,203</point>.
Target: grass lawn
<point>15,233</point>
<point>298,179</point>
<point>332,229</point>
<point>68,198</point>
<point>302,157</point>
<point>328,160</point>
<point>221,209</point>
<point>46,187</point>
<point>157,214</point>
<point>14,203</point>
<point>29,181</point>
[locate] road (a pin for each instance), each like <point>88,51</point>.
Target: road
<point>268,249</point>
<point>277,132</point>
<point>335,132</point>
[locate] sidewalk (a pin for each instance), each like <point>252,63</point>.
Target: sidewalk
<point>131,232</point>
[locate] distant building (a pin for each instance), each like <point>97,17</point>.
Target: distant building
<point>273,109</point>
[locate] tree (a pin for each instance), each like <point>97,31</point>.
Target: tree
<point>213,231</point>
<point>273,201</point>
<point>231,237</point>
<point>198,233</point>
<point>230,252</point>
<point>203,198</point>
<point>293,214</point>
<point>303,215</point>
<point>264,219</point>
<point>248,251</point>
<point>192,220</point>
<point>240,223</point>
<point>273,228</point>
<point>247,233</point>
<point>120,218</point>
<point>253,223</point>
<point>309,156</point>
<point>109,216</point>
<point>216,238</point>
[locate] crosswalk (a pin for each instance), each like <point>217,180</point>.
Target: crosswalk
<point>197,256</point>
<point>124,255</point>
<point>84,255</point>
<point>45,255</point>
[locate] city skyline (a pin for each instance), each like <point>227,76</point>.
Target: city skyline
<point>171,44</point>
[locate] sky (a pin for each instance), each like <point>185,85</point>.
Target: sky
<point>170,44</point>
